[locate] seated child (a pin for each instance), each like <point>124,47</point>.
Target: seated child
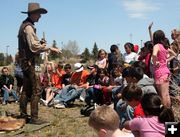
<point>153,123</point>
<point>105,121</point>
<point>133,94</point>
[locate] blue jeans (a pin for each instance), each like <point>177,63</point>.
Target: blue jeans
<point>69,94</point>
<point>124,111</point>
<point>115,91</point>
<point>89,95</point>
<point>93,95</point>
<point>6,94</point>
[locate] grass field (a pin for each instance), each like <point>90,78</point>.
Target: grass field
<point>63,122</point>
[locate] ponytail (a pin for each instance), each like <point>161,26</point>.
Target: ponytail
<point>151,104</point>
<point>166,115</point>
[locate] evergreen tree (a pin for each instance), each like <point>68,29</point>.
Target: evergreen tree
<point>95,51</point>
<point>9,60</point>
<point>85,55</point>
<point>2,59</point>
<point>53,55</point>
<point>39,59</point>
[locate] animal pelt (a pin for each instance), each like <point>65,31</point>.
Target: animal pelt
<point>10,124</point>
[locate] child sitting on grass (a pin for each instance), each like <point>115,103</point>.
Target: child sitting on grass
<point>156,114</point>
<point>105,122</point>
<point>132,94</point>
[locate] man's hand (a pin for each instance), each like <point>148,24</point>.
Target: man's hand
<point>55,50</point>
<point>43,41</point>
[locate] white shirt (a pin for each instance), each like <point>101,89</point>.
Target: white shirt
<point>130,57</point>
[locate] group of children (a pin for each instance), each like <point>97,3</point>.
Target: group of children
<point>136,83</point>
<point>105,120</point>
<point>142,103</point>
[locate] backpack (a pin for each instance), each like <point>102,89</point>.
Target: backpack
<point>18,72</point>
<point>86,111</point>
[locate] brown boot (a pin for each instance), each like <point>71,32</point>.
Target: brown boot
<point>37,121</point>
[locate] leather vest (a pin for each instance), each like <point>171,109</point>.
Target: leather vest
<point>24,51</point>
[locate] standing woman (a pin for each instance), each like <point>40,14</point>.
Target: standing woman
<point>161,55</point>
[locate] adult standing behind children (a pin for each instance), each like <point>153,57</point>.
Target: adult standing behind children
<point>29,48</point>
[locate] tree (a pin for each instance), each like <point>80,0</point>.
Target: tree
<point>73,47</point>
<point>95,51</point>
<point>9,60</point>
<point>85,55</point>
<point>66,54</point>
<point>54,55</point>
<point>39,59</point>
<point>2,59</point>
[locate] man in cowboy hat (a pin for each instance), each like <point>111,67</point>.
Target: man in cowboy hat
<point>29,48</point>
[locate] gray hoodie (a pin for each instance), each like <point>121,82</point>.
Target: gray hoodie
<point>147,85</point>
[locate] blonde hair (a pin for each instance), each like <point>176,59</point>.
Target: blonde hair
<point>101,51</point>
<point>104,117</point>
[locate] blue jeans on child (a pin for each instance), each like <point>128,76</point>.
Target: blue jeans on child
<point>115,91</point>
<point>124,111</point>
<point>93,95</point>
<point>68,94</point>
<point>6,94</point>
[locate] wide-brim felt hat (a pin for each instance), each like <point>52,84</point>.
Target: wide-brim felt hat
<point>35,8</point>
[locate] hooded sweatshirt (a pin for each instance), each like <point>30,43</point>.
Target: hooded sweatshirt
<point>147,85</point>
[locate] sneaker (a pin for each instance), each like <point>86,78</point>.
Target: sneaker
<point>4,103</point>
<point>43,102</point>
<point>59,106</point>
<point>55,101</point>
<point>81,98</point>
<point>37,121</point>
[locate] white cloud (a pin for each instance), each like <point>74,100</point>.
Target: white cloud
<point>136,15</point>
<point>139,8</point>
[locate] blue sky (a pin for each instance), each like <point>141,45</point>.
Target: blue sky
<point>105,22</point>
